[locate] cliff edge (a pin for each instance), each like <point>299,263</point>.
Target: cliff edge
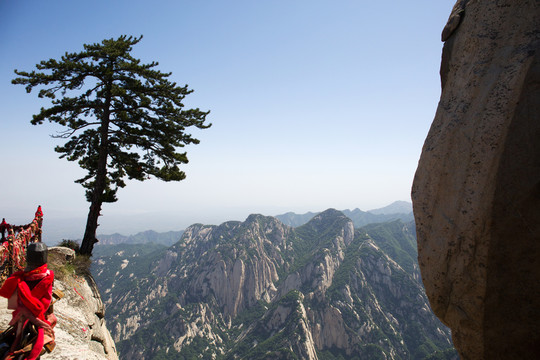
<point>476,193</point>
<point>81,332</point>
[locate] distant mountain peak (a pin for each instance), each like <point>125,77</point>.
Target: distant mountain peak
<point>401,210</point>
<point>397,207</point>
<point>326,217</point>
<point>258,217</point>
<point>330,213</point>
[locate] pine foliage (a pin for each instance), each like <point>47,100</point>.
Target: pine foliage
<point>122,119</point>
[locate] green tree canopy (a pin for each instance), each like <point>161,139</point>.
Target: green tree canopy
<point>123,119</point>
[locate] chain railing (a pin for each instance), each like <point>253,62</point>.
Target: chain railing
<point>15,239</point>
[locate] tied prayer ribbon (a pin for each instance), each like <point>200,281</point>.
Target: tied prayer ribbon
<point>14,248</point>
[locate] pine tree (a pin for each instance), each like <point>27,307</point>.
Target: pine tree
<point>122,119</point>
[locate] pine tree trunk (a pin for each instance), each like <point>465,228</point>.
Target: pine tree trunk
<point>89,239</point>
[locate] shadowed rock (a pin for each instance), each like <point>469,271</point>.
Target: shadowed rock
<point>476,192</point>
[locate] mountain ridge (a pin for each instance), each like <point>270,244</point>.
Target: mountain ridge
<point>396,210</point>
<point>264,290</point>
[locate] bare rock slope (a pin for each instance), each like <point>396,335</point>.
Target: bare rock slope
<point>259,289</point>
<point>476,192</point>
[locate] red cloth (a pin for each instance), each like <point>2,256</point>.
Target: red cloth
<point>32,304</point>
<point>36,349</point>
<point>36,300</point>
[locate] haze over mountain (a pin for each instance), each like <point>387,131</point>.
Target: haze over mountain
<point>397,207</point>
<point>397,210</point>
<point>150,236</point>
<point>260,289</point>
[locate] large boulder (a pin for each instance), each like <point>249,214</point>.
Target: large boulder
<point>476,192</point>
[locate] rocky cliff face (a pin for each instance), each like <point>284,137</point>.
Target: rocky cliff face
<point>476,192</point>
<point>262,290</point>
<point>81,332</point>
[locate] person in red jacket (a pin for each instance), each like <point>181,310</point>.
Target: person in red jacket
<point>30,293</point>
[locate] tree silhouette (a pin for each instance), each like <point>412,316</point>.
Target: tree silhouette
<point>121,118</point>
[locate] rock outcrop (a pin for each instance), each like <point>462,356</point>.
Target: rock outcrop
<point>476,192</point>
<point>81,332</point>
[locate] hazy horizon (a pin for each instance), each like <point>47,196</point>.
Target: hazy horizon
<point>146,222</point>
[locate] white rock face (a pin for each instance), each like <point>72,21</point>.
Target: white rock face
<point>331,331</point>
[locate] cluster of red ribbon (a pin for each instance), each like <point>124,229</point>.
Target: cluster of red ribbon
<point>30,304</point>
<point>13,247</point>
<point>29,291</point>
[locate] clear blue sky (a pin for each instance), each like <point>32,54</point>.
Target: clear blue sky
<point>314,104</point>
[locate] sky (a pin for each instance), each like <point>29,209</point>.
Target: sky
<point>314,104</point>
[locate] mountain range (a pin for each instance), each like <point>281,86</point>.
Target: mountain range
<point>150,236</point>
<point>261,289</point>
<point>397,210</point>
<point>401,210</point>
